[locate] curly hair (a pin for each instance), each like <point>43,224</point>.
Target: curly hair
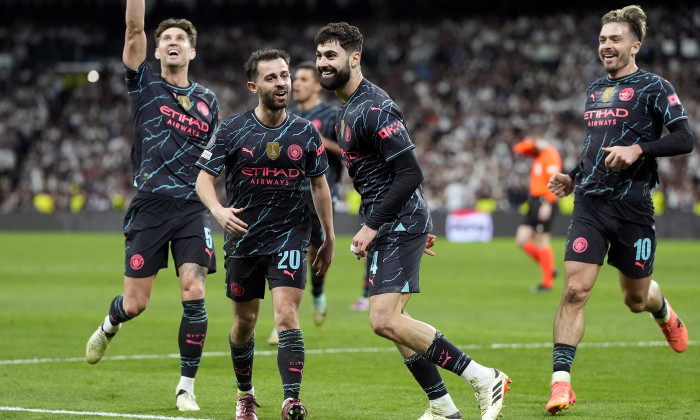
<point>348,36</point>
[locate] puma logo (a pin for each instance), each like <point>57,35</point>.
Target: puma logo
<point>371,280</point>
<point>196,343</point>
<point>447,357</point>
<point>210,253</point>
<point>301,371</point>
<point>640,264</point>
<point>374,108</point>
<point>290,274</point>
<point>248,150</point>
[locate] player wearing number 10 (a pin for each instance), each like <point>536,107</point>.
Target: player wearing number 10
<point>268,154</point>
<point>625,114</point>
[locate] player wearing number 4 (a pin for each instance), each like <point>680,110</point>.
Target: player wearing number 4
<point>174,120</point>
<point>396,225</point>
<point>267,154</point>
<point>625,114</point>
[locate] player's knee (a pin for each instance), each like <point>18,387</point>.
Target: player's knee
<point>636,304</point>
<point>193,290</point>
<point>245,321</point>
<point>132,309</point>
<point>382,326</point>
<point>286,318</point>
<point>575,295</point>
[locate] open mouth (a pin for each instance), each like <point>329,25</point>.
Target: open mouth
<point>173,53</point>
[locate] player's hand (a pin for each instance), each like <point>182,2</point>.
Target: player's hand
<point>561,185</point>
<point>621,157</point>
<point>362,240</point>
<point>324,257</point>
<point>429,244</point>
<point>226,216</point>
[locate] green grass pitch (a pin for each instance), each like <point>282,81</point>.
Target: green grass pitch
<point>55,288</point>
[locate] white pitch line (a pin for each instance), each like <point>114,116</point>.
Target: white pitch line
<point>96,413</point>
<point>495,346</point>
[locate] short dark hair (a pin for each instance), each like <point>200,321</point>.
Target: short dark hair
<point>183,24</point>
<point>310,65</point>
<point>348,36</point>
<point>269,54</point>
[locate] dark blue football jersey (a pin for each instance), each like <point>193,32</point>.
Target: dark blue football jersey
<point>266,168</point>
<point>172,125</point>
<point>622,112</point>
<point>370,131</point>
<point>323,118</point>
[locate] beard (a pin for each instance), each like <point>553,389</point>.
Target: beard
<point>271,102</point>
<point>340,78</point>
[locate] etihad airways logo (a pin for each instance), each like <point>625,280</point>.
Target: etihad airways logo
<point>184,122</point>
<point>607,116</point>
<point>270,176</point>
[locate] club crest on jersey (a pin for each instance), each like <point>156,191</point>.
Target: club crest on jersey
<point>203,108</point>
<point>626,94</point>
<point>273,150</point>
<point>185,102</point>
<point>294,152</point>
<point>607,94</point>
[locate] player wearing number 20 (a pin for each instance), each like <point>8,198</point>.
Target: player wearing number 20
<point>268,153</point>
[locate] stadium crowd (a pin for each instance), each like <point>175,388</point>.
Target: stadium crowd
<point>470,88</point>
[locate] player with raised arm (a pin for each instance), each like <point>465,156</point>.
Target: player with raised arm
<point>174,119</point>
<point>396,225</point>
<point>626,112</point>
<point>268,154</point>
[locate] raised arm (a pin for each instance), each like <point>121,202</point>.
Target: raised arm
<point>135,38</point>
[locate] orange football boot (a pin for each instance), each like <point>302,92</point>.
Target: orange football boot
<point>562,396</point>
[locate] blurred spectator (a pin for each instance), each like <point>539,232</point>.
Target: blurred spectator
<point>469,88</point>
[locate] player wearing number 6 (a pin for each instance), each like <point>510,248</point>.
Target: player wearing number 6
<point>267,154</point>
<point>625,114</point>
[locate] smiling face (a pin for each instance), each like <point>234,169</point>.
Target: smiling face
<point>272,84</point>
<point>333,63</point>
<point>174,48</point>
<point>617,48</point>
